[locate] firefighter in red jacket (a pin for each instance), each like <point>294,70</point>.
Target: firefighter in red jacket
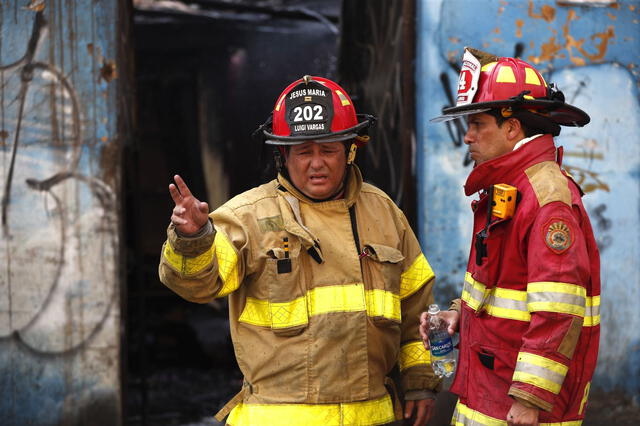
<point>529,313</point>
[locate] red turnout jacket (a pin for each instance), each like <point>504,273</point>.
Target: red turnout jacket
<point>529,325</point>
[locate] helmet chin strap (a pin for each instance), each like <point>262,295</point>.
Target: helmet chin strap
<point>351,156</point>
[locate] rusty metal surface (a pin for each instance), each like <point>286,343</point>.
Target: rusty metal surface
<point>59,310</point>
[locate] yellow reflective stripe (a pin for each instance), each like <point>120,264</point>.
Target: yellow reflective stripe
<point>541,361</point>
<point>227,264</point>
<point>373,412</point>
<point>585,396</point>
<point>571,423</point>
<point>336,298</point>
<point>498,302</point>
<point>343,99</point>
<point>507,303</point>
<point>289,314</point>
<point>592,312</point>
<point>415,276</point>
<point>382,303</point>
<point>557,297</point>
<point>174,259</point>
<point>413,354</point>
<point>540,371</point>
<point>321,300</point>
<point>473,291</point>
<point>187,265</point>
<point>465,416</point>
<point>256,312</point>
<point>540,296</point>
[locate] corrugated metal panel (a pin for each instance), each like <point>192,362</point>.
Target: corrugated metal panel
<point>592,53</point>
<point>59,302</point>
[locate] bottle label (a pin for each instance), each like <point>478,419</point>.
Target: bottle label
<point>440,348</point>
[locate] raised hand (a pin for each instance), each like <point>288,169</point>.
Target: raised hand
<point>189,214</point>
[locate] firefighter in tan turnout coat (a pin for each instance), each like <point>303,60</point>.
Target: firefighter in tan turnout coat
<point>325,278</point>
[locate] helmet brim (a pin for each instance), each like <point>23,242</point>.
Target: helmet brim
<point>559,112</point>
<point>342,135</point>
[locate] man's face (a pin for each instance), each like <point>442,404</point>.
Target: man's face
<point>486,139</point>
<point>317,169</point>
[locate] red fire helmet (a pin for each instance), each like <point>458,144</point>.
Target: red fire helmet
<point>510,84</point>
<point>315,109</point>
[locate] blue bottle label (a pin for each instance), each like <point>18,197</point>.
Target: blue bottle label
<point>440,348</point>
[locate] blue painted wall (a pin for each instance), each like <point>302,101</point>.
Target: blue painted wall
<point>59,165</point>
<point>593,54</point>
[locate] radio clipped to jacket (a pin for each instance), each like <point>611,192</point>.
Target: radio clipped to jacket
<point>504,200</point>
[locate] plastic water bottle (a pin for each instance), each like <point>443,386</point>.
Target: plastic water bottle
<point>442,359</point>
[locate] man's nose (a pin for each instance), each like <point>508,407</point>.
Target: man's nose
<point>316,160</point>
<point>467,137</point>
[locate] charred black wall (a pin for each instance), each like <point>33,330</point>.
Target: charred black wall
<point>376,66</point>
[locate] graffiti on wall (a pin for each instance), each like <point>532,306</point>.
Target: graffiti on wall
<point>58,226</point>
<point>41,150</point>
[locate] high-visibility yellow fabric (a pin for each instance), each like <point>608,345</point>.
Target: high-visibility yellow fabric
<point>382,303</point>
<point>374,412</point>
<point>557,297</point>
<point>227,264</point>
<point>415,277</point>
<point>540,371</point>
<point>540,297</point>
<point>413,354</point>
<point>321,300</point>
<point>592,311</point>
<point>187,265</point>
<point>465,416</point>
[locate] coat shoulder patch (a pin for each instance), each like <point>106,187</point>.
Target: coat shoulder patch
<point>558,235</point>
<point>548,183</point>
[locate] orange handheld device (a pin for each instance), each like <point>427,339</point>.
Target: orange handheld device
<point>504,200</point>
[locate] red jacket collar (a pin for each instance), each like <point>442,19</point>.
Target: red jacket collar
<point>505,168</point>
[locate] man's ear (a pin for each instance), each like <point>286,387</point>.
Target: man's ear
<point>514,129</point>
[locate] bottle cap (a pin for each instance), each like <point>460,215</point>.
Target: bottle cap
<point>434,309</point>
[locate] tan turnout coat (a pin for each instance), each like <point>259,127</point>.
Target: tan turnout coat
<point>316,316</point>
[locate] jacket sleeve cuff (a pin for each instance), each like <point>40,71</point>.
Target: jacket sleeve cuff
<point>529,398</point>
<point>420,378</point>
<point>415,395</point>
<point>455,305</point>
<point>192,245</point>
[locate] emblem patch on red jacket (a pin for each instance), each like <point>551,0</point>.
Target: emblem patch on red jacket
<point>558,235</point>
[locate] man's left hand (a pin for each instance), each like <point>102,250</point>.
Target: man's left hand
<point>424,409</point>
<point>521,415</point>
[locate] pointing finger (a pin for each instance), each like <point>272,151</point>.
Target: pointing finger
<point>182,186</point>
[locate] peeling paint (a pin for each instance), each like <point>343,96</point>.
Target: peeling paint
<point>108,71</point>
<point>519,25</point>
<point>548,13</point>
